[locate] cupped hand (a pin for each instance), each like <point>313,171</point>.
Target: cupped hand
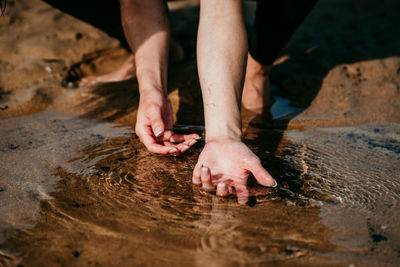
<point>154,126</point>
<point>226,165</point>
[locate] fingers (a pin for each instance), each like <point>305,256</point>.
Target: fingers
<point>206,179</point>
<point>197,174</point>
<point>151,144</point>
<point>222,189</point>
<point>182,147</point>
<point>156,121</point>
<point>179,138</point>
<point>242,194</point>
<point>261,174</point>
<point>155,145</point>
<point>202,175</point>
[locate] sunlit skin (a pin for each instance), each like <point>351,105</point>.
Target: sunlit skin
<point>147,29</point>
<point>154,121</point>
<point>256,90</point>
<point>221,58</point>
<point>128,69</point>
<point>226,162</point>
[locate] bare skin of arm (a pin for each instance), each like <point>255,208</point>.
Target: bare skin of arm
<point>147,29</point>
<point>225,162</point>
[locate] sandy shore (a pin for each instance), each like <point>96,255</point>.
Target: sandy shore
<point>342,68</point>
<point>85,192</point>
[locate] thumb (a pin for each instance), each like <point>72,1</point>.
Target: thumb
<point>261,175</point>
<point>156,122</point>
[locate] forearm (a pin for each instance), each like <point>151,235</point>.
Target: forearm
<point>147,30</point>
<point>222,51</point>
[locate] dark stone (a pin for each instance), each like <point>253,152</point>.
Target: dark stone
<point>378,238</point>
<point>78,36</point>
<point>12,147</point>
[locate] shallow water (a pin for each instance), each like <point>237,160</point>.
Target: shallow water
<point>106,201</point>
<point>358,167</point>
<point>31,148</point>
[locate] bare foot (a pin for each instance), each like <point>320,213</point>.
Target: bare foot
<point>256,90</point>
<point>126,71</point>
<point>128,68</point>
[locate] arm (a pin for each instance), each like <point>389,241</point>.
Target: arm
<point>146,27</point>
<point>225,161</point>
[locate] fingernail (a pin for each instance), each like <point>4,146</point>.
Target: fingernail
<point>174,150</point>
<point>275,185</point>
<point>158,133</point>
<point>185,147</point>
<point>198,138</point>
<point>243,200</point>
<point>204,169</point>
<point>221,185</point>
<point>193,142</point>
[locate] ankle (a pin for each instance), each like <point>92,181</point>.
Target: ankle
<point>255,68</point>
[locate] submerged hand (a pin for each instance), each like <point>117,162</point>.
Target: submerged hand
<point>227,164</point>
<point>154,126</point>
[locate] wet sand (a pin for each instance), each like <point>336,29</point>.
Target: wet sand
<point>77,188</point>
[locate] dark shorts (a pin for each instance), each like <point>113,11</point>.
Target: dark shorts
<point>275,21</point>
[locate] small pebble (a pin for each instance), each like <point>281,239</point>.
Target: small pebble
<point>48,69</point>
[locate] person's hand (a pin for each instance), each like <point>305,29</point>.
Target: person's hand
<point>154,126</point>
<point>227,164</point>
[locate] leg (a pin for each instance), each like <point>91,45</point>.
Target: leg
<point>107,17</point>
<point>128,68</point>
<point>125,72</point>
<point>256,89</point>
<point>275,23</point>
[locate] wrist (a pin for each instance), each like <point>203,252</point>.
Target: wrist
<point>221,132</point>
<point>149,90</point>
<point>151,82</point>
<point>152,94</point>
<point>223,123</point>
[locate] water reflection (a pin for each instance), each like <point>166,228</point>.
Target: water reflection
<point>358,167</point>
<point>129,206</point>
<point>125,206</point>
